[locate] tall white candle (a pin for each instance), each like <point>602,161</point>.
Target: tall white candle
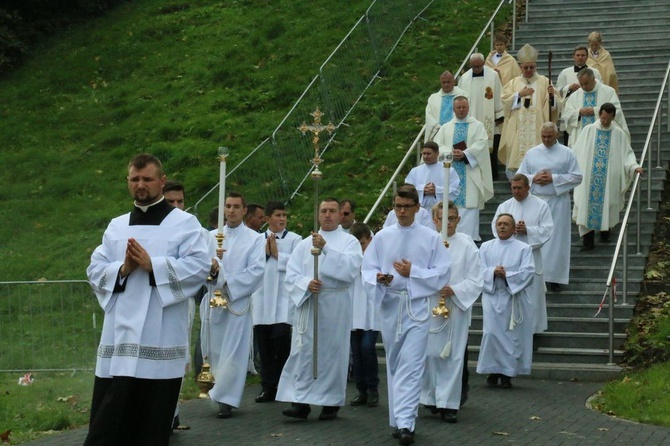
<point>223,153</point>
<point>447,158</point>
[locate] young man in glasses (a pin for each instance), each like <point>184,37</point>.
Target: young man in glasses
<point>404,265</point>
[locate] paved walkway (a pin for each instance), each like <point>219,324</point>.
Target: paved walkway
<point>534,412</point>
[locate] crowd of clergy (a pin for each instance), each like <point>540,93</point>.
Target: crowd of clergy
<point>314,307</point>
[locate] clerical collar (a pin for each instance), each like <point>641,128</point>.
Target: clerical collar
<point>461,120</point>
<point>150,215</point>
<point>145,208</point>
<point>578,68</point>
<point>480,74</point>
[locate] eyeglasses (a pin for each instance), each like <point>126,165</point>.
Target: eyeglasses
<point>346,214</point>
<point>400,207</point>
<point>451,219</point>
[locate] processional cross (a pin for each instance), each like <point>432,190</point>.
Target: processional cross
<point>316,128</point>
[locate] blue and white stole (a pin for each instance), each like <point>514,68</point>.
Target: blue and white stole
<point>460,135</point>
<point>598,182</point>
<point>446,108</point>
<point>590,99</point>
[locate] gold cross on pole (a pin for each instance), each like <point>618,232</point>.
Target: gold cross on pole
<point>316,128</point>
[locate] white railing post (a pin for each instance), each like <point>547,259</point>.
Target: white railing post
<point>611,326</point>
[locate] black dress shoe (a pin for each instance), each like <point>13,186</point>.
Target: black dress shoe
<point>406,436</point>
<point>360,400</point>
<point>449,415</point>
<point>328,413</point>
<point>373,399</point>
<point>396,433</point>
<point>225,410</point>
<point>605,237</point>
<point>554,287</point>
<point>265,397</point>
<point>492,379</point>
<point>505,382</point>
<point>297,410</point>
<point>433,409</point>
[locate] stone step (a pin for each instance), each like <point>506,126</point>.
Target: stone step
<point>572,324</point>
<point>553,339</point>
<point>565,355</point>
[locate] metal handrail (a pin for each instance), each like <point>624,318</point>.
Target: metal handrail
<point>634,196</point>
<point>395,174</point>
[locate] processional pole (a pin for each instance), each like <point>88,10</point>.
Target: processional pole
<point>441,309</point>
<point>205,378</point>
<point>316,128</point>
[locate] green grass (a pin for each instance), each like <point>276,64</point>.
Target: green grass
<point>642,396</point>
<point>179,79</point>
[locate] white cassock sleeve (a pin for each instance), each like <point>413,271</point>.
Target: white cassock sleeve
<point>467,290</point>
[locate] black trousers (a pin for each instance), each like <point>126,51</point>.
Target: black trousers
<point>132,411</point>
<point>274,347</point>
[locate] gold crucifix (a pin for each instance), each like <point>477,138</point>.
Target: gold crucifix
<point>316,128</point>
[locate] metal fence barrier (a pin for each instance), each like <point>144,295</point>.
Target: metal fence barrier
<point>282,162</point>
<point>48,326</point>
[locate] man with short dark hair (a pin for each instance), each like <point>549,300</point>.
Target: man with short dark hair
<point>255,217</point>
<point>428,178</point>
<point>604,153</point>
<point>149,264</point>
<point>404,265</point>
<point>339,258</point>
<point>347,214</point>
<point>174,194</point>
<point>271,304</point>
<point>239,274</point>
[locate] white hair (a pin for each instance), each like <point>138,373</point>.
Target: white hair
<point>477,56</point>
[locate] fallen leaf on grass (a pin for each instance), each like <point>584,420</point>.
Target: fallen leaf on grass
<point>276,435</point>
<point>5,436</point>
<point>603,429</point>
<point>504,434</point>
<point>65,399</point>
<point>535,418</point>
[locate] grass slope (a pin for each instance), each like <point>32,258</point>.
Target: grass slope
<point>179,79</point>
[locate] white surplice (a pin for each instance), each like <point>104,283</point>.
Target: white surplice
<point>507,339</point>
<point>270,303</point>
<point>566,175</point>
<point>536,214</point>
<point>405,308</point>
<point>339,264</point>
<point>240,274</point>
<point>423,174</point>
<point>442,378</point>
<point>145,331</point>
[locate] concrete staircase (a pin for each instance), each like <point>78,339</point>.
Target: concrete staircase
<point>576,343</point>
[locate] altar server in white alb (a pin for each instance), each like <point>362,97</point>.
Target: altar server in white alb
<point>339,264</point>
<point>553,172</point>
<point>271,307</point>
<point>405,264</point>
<point>582,106</point>
<point>535,227</point>
<point>439,109</point>
<point>466,139</point>
<point>151,261</point>
<point>604,153</point>
<point>428,178</point>
<point>507,340</point>
<point>442,380</point>
<point>239,274</point>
